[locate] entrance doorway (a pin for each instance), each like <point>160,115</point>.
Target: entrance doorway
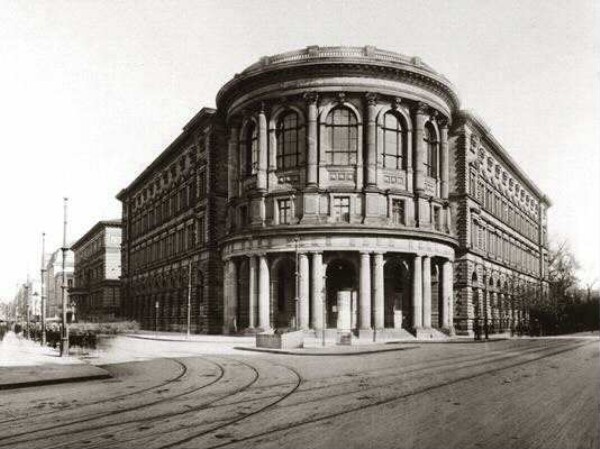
<point>397,294</point>
<point>284,294</point>
<point>340,276</point>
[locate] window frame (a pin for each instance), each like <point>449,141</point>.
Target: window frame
<point>334,154</point>
<point>398,155</point>
<point>283,153</point>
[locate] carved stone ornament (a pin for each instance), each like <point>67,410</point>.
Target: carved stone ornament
<point>422,108</point>
<point>310,97</point>
<point>371,98</point>
<point>443,122</point>
<point>396,103</point>
<point>341,97</point>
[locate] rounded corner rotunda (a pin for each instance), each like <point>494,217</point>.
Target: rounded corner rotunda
<point>355,188</point>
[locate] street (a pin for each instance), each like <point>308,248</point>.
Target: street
<point>528,393</point>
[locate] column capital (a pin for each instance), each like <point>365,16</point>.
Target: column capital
<point>443,123</point>
<point>421,108</point>
<point>310,97</point>
<point>371,98</point>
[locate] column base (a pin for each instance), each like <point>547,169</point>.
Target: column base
<point>365,334</point>
<point>429,333</point>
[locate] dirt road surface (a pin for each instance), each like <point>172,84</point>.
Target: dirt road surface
<point>502,394</point>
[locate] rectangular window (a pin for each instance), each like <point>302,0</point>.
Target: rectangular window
<point>202,185</point>
<point>473,184</point>
<point>201,231</point>
<point>437,218</point>
<point>398,212</point>
<point>285,211</point>
<point>243,211</point>
<point>480,241</point>
<point>341,209</point>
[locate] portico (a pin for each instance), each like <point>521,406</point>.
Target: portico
<point>388,289</point>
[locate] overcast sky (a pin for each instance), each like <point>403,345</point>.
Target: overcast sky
<point>92,91</point>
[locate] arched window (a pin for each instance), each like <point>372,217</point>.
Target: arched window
<point>251,149</point>
<point>290,135</point>
<point>342,132</point>
<point>431,146</point>
<point>394,145</point>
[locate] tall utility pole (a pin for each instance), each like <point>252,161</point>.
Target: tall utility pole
<point>42,289</point>
<point>189,300</point>
<point>27,307</point>
<point>64,338</point>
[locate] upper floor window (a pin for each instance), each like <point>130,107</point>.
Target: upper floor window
<point>341,208</point>
<point>289,141</point>
<point>251,149</point>
<point>398,211</point>
<point>342,131</point>
<point>431,145</point>
<point>285,211</point>
<point>394,146</point>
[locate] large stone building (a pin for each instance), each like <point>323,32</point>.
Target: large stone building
<point>334,187</point>
<point>96,289</point>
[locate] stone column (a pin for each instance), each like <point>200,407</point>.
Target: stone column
<point>304,306</point>
<point>365,291</point>
<point>371,150</point>
<point>378,291</point>
<point>443,125</point>
<point>252,292</point>
<point>446,286</point>
<point>261,177</point>
<point>312,139</point>
<point>449,277</point>
<point>231,296</point>
<point>317,291</point>
<point>417,292</point>
<point>232,184</point>
<point>226,295</point>
<point>421,204</point>
<point>264,296</point>
<point>426,291</point>
<point>421,115</point>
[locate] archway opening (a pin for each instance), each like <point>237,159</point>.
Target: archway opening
<point>284,294</point>
<point>340,276</point>
<point>397,297</point>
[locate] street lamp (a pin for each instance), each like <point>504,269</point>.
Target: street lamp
<point>64,339</point>
<point>26,286</point>
<point>189,301</point>
<point>42,289</point>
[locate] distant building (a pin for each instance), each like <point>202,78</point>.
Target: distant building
<point>338,188</point>
<point>27,297</point>
<point>54,284</point>
<point>95,291</point>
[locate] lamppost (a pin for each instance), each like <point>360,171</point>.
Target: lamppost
<point>64,339</point>
<point>189,300</point>
<point>26,286</point>
<point>297,299</point>
<point>43,290</point>
<point>156,306</point>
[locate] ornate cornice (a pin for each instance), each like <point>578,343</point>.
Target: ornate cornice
<point>278,75</point>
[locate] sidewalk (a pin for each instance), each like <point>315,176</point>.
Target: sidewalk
<point>24,363</point>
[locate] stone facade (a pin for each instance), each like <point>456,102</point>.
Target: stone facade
<point>96,287</point>
<point>340,196</point>
<point>173,218</point>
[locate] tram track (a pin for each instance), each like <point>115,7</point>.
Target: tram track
<point>387,400</point>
